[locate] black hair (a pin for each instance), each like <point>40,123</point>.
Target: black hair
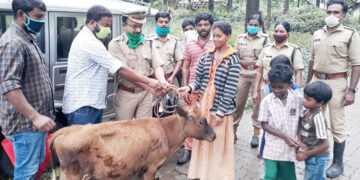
<point>162,14</point>
<point>320,91</point>
<point>285,24</point>
<point>187,22</point>
<point>280,59</point>
<point>27,6</point>
<point>96,12</point>
<point>343,3</point>
<point>204,16</point>
<point>224,26</point>
<point>280,73</point>
<point>257,17</point>
<point>124,18</point>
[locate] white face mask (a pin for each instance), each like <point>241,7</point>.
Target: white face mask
<point>190,35</point>
<point>332,21</point>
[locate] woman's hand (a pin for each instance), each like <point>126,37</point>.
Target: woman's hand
<point>183,91</point>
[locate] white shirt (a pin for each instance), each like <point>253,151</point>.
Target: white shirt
<point>88,66</point>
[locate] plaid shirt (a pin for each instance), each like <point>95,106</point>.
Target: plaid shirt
<point>284,118</point>
<point>22,66</point>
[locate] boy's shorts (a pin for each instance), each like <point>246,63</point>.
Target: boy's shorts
<point>279,170</point>
<point>315,167</point>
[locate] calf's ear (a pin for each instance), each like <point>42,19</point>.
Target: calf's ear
<point>181,111</point>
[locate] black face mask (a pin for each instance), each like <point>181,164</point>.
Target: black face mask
<point>281,38</point>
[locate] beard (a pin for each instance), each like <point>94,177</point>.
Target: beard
<point>204,33</point>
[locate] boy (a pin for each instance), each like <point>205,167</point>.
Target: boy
<point>279,115</point>
<point>313,131</point>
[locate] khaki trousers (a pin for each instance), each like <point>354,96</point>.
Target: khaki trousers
<point>336,107</point>
<point>128,105</point>
<point>244,85</point>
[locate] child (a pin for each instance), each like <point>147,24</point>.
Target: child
<point>282,59</point>
<point>313,131</point>
<point>279,115</point>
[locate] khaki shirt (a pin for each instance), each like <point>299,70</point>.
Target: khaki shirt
<point>141,59</point>
<point>330,51</point>
<point>170,51</point>
<point>270,51</point>
<point>250,49</point>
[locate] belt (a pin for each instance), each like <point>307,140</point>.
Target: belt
<point>130,90</point>
<point>249,67</point>
<point>330,76</point>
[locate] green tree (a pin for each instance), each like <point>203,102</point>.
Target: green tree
<point>211,5</point>
<point>229,6</point>
<point>286,6</point>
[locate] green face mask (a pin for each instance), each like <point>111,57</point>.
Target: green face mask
<point>134,40</point>
<point>103,33</point>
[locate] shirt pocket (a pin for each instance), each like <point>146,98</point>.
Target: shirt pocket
<point>132,61</point>
<point>317,43</point>
<point>339,49</point>
<point>147,64</point>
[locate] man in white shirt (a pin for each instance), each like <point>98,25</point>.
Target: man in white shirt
<point>88,66</point>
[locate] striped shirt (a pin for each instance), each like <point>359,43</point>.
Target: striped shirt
<point>22,66</point>
<point>226,80</point>
<point>313,130</point>
<point>284,118</point>
<point>193,53</point>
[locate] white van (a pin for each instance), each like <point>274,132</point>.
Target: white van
<point>64,19</point>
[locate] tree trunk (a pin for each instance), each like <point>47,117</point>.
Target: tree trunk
<point>211,5</point>
<point>286,7</point>
<point>268,14</point>
<point>298,4</point>
<point>189,4</point>
<point>229,6</point>
<point>318,3</point>
<point>252,7</point>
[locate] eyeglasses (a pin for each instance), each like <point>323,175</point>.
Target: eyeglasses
<point>133,26</point>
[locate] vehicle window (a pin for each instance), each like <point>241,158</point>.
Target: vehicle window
<point>5,22</point>
<point>67,29</point>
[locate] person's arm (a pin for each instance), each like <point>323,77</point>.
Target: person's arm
<point>291,141</point>
<point>349,97</point>
<point>175,72</point>
<point>310,71</point>
<point>298,77</point>
<point>302,155</point>
<point>18,100</point>
<point>258,80</point>
<point>199,74</point>
<point>186,73</point>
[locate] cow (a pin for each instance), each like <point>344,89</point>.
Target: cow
<point>122,149</point>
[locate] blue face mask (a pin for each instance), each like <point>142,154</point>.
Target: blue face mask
<point>252,30</point>
<point>32,25</point>
<point>162,31</point>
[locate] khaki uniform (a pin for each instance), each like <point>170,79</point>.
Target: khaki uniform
<point>248,51</point>
<point>170,51</point>
<point>270,51</point>
<point>331,53</point>
<point>132,101</point>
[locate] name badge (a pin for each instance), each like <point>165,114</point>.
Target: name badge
<point>292,112</point>
<point>132,53</point>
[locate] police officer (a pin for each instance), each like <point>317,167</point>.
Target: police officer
<point>249,46</point>
<point>168,46</point>
<point>334,47</point>
<point>140,55</point>
<point>280,46</point>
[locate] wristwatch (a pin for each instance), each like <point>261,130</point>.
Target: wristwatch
<point>354,90</point>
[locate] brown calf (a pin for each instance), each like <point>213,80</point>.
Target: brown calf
<point>119,150</point>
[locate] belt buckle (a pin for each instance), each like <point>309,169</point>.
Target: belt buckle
<point>138,89</point>
<point>322,76</point>
<point>251,67</point>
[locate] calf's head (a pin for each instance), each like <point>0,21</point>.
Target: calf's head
<point>195,124</point>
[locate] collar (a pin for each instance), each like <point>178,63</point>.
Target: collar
<point>230,50</point>
<point>198,42</point>
<point>257,35</point>
<point>20,31</point>
<point>158,37</point>
<point>340,28</point>
<point>286,44</point>
<point>291,94</point>
<point>126,39</point>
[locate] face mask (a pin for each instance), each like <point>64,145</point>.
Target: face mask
<point>134,40</point>
<point>332,21</point>
<point>281,38</point>
<point>103,32</point>
<point>252,30</point>
<point>162,31</point>
<point>32,25</point>
<point>190,35</point>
